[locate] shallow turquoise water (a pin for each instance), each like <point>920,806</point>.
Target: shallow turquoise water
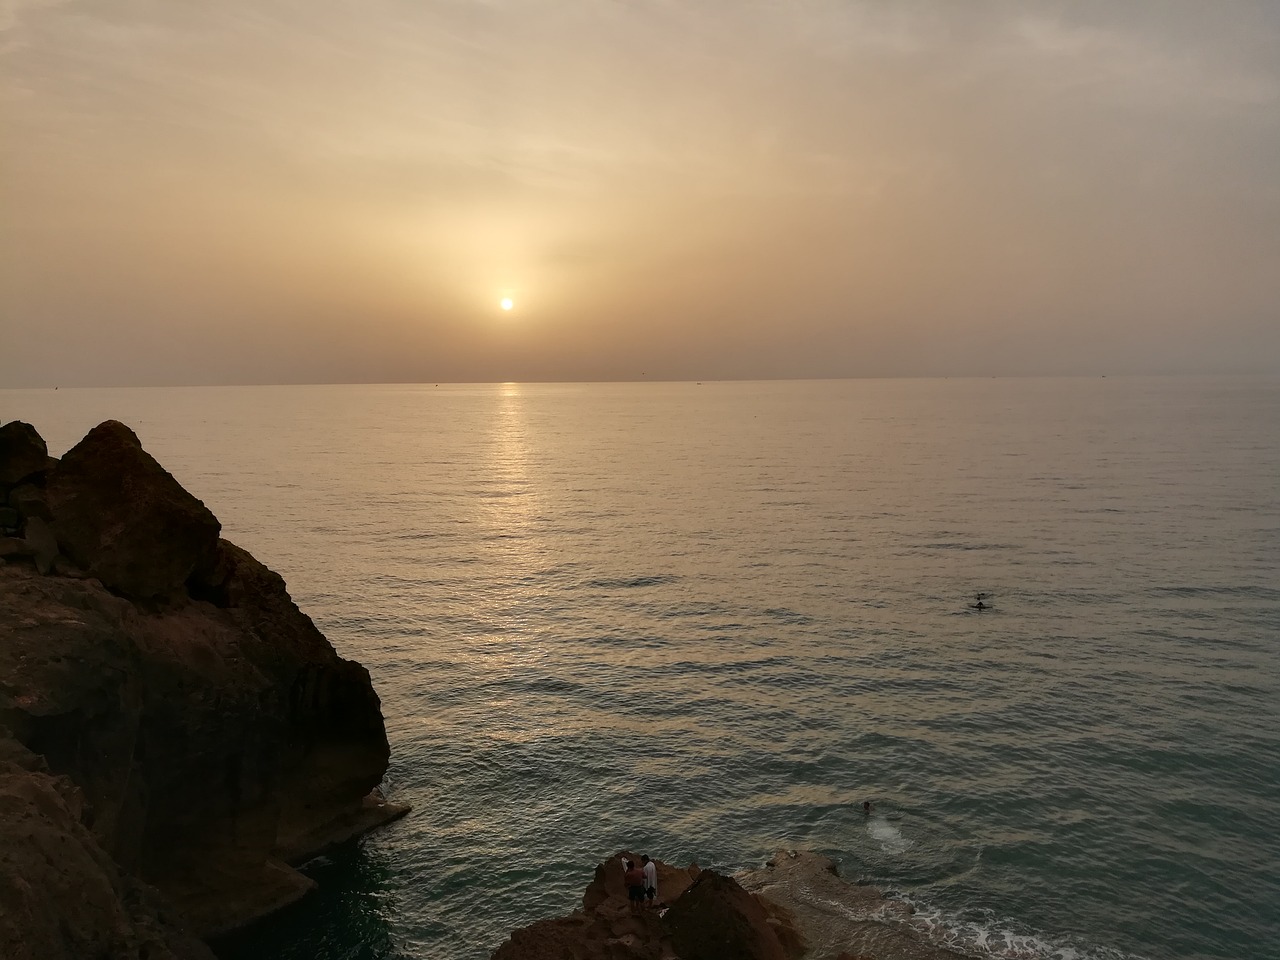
<point>709,620</point>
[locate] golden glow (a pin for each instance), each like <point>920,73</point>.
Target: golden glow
<point>793,190</point>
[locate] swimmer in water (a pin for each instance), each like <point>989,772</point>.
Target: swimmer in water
<point>866,808</point>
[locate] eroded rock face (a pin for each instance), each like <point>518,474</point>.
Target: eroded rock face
<point>61,896</point>
<point>124,519</point>
<point>212,733</point>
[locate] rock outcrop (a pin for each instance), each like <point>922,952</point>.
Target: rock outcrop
<point>796,906</point>
<point>717,918</point>
<point>168,717</point>
<point>23,453</point>
<point>704,916</point>
<point>839,920</point>
<point>122,518</point>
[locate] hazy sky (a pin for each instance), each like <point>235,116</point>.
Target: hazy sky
<point>269,191</point>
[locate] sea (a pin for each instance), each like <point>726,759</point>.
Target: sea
<point>707,621</point>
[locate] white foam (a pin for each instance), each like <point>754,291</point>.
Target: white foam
<point>997,938</point>
<point>887,835</point>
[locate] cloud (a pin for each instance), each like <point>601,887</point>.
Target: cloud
<point>13,13</point>
<point>804,175</point>
<point>1124,64</point>
<point>13,35</point>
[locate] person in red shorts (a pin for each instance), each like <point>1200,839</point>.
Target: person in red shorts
<point>634,879</point>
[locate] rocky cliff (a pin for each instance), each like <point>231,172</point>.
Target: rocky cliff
<point>174,732</point>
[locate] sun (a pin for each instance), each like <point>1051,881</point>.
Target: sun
<point>507,303</point>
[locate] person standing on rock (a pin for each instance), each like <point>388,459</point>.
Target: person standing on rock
<point>634,879</point>
<point>650,879</point>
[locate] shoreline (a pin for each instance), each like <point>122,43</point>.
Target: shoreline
<point>795,907</point>
<point>838,917</point>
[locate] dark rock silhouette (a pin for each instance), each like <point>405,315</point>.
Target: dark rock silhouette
<point>124,519</point>
<point>22,452</point>
<point>188,733</point>
<point>716,919</point>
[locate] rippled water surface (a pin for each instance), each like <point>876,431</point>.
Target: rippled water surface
<point>710,620</point>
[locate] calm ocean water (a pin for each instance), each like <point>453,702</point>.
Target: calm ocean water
<point>708,621</point>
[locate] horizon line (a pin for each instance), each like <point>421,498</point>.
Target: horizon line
<point>641,380</point>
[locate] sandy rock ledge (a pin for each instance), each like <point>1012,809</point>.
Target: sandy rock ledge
<point>838,919</point>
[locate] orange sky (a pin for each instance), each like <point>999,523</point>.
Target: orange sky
<point>262,192</point>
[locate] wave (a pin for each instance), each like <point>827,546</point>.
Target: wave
<point>993,936</point>
<point>839,916</point>
<point>788,616</point>
<point>888,836</point>
<point>630,583</point>
<point>1249,591</point>
<point>963,545</point>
